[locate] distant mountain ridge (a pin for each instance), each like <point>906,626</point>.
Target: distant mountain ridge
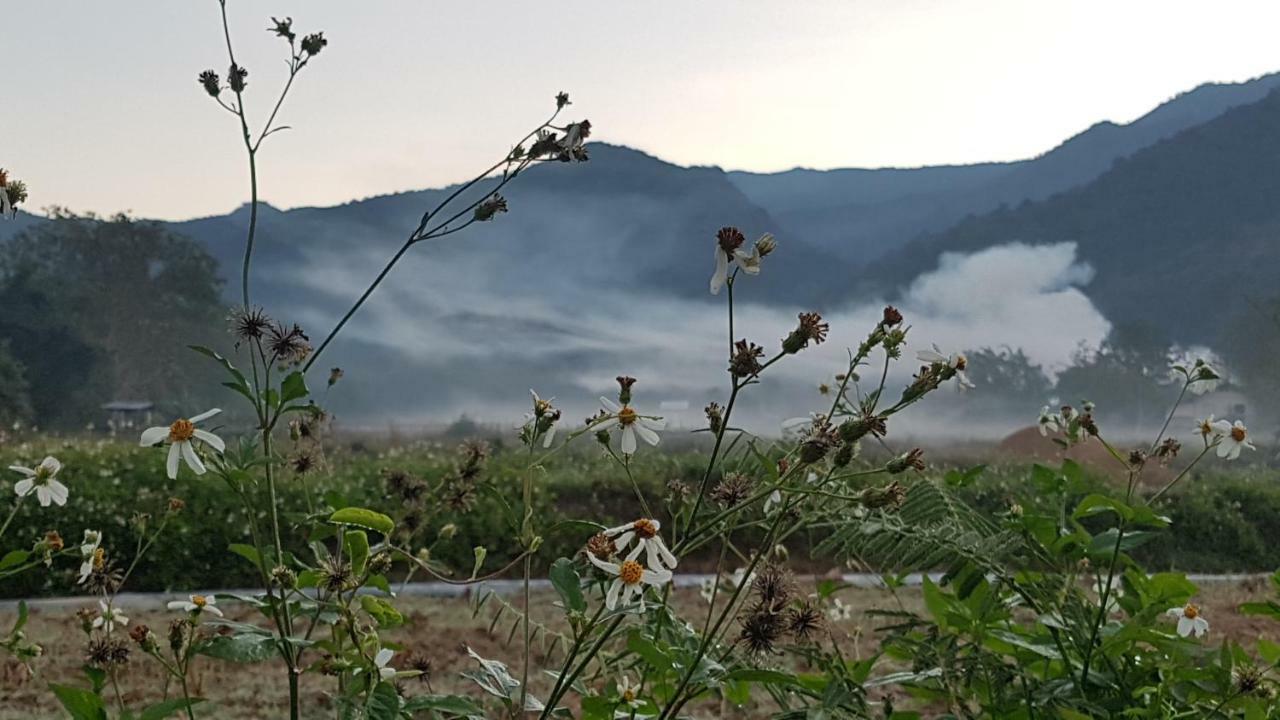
<point>862,214</point>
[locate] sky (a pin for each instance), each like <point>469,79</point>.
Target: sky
<point>103,112</point>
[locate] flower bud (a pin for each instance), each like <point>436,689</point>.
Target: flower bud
<point>237,78</point>
<point>624,388</point>
<point>212,85</point>
<point>314,43</point>
<point>766,244</point>
<point>913,460</point>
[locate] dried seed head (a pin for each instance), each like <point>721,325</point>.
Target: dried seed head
<point>730,239</point>
<point>912,460</point>
<point>601,546</point>
<point>106,653</point>
<point>562,99</point>
<point>486,210</point>
<point>732,490</point>
<point>211,83</point>
<point>761,631</point>
<point>237,78</point>
<point>283,28</point>
<point>804,621</point>
<point>715,417</point>
<point>891,317</point>
<point>746,359</point>
<point>810,329</point>
<point>314,43</point>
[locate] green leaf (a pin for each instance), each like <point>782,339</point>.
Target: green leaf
<point>363,517</point>
<point>383,703</point>
<point>1099,504</point>
<point>293,387</point>
<point>13,558</point>
<point>241,648</point>
<point>80,704</point>
<point>645,648</point>
<point>239,383</point>
<point>356,544</point>
<point>566,581</point>
<point>382,611</point>
<point>23,614</point>
<point>248,552</point>
<point>167,708</point>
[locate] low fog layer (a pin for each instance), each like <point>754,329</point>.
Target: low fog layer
<point>471,335</point>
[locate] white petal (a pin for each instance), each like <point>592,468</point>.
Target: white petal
<point>611,597</point>
<point>604,565</point>
<point>209,608</point>
<point>624,539</point>
<point>24,487</point>
<point>649,436</point>
<point>666,555</point>
<point>153,435</point>
<point>51,464</point>
<point>189,454</point>
<point>655,577</point>
<point>549,437</point>
<point>610,405</point>
<point>177,604</point>
<point>721,271</point>
<point>205,415</point>
<point>44,495</point>
<point>211,440</point>
<point>629,440</point>
<point>58,492</point>
<point>171,463</point>
<point>383,657</point>
<point>931,356</point>
<point>654,423</point>
<point>606,424</point>
<point>24,470</point>
<point>1185,626</point>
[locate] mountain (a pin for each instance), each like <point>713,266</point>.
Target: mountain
<point>864,214</point>
<point>1178,233</point>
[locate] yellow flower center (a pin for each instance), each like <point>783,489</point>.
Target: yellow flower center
<point>181,430</point>
<point>631,572</point>
<point>628,695</point>
<point>1238,434</point>
<point>645,528</point>
<point>99,558</point>
<point>43,473</point>
<point>627,415</point>
<point>1206,428</point>
<point>961,361</point>
<point>199,601</point>
<point>1191,611</point>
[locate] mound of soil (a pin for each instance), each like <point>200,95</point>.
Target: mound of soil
<point>1028,445</point>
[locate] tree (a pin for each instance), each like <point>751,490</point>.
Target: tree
<point>98,309</point>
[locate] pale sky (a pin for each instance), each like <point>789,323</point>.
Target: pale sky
<point>101,110</point>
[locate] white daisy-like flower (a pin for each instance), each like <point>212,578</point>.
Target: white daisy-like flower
<point>956,361</point>
<point>839,611</point>
<point>645,532</point>
<point>381,660</point>
<point>629,579</point>
<point>1049,422</point>
<point>180,435</point>
<point>42,480</point>
<point>1205,428</point>
<point>629,692</point>
<point>1235,436</point>
<point>729,252</point>
<point>109,618</point>
<point>1190,622</point>
<point>632,423</point>
<point>197,604</point>
<point>90,553</point>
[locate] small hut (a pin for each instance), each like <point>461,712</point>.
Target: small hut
<point>128,414</point>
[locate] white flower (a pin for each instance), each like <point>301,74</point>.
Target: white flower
<point>645,532</point>
<point>633,423</point>
<point>42,480</point>
<point>839,611</point>
<point>196,604</point>
<point>89,553</point>
<point>109,618</point>
<point>179,436</point>
<point>1113,597</point>
<point>1234,437</point>
<point>729,251</point>
<point>956,361</point>
<point>775,498</point>
<point>1205,428</point>
<point>1049,422</point>
<point>630,577</point>
<point>380,660</point>
<point>1189,620</point>
<point>628,692</point>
